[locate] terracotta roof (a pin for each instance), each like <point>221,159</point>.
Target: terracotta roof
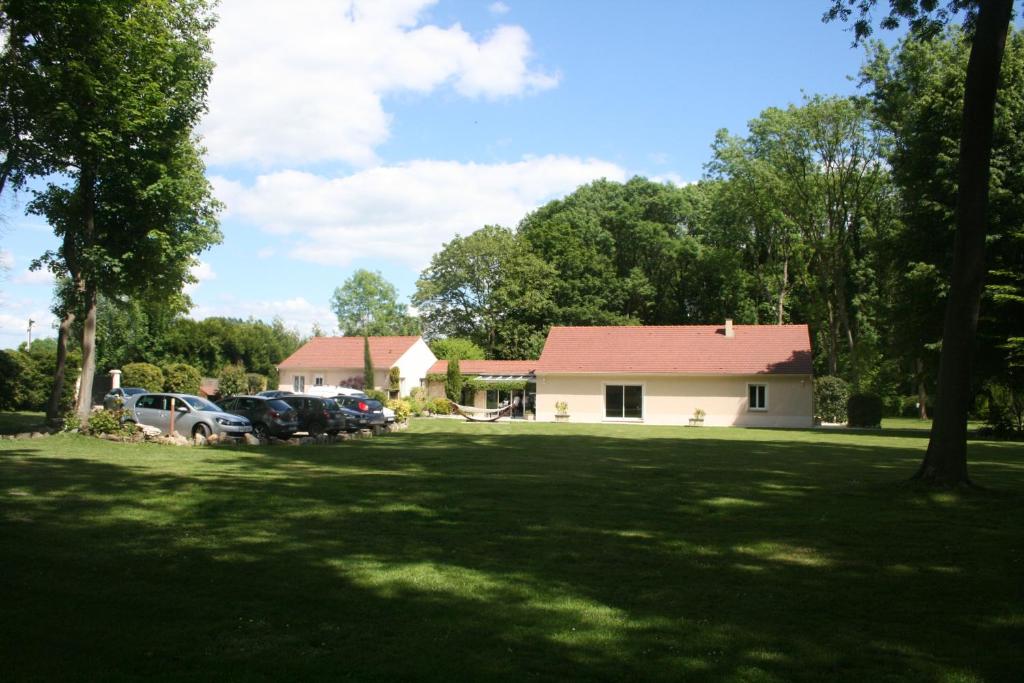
<point>487,367</point>
<point>687,349</point>
<point>347,352</point>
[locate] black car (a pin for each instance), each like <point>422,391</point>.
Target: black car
<point>275,393</point>
<point>269,416</point>
<point>370,410</point>
<point>116,398</point>
<point>317,415</point>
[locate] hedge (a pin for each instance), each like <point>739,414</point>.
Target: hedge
<point>145,375</point>
<point>182,378</point>
<point>831,395</point>
<point>864,410</point>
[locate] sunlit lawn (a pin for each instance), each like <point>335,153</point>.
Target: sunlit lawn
<point>20,421</point>
<point>518,552</point>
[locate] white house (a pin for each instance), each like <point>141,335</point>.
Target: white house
<point>324,364</point>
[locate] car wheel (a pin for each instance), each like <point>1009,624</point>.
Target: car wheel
<point>201,430</point>
<point>259,430</point>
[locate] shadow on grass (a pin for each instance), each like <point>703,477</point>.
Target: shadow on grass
<point>501,555</point>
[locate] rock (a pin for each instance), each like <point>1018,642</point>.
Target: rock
<point>23,435</point>
<point>199,440</point>
<point>150,431</point>
<point>38,435</point>
<point>363,433</point>
<point>213,439</point>
<point>251,440</point>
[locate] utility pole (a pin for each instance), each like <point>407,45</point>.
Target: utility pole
<point>31,322</point>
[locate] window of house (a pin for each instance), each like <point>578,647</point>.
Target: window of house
<point>757,397</point>
<point>318,381</point>
<point>624,401</point>
<point>298,383</point>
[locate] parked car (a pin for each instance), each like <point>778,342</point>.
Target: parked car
<point>275,393</point>
<point>193,416</point>
<point>269,416</point>
<point>116,398</point>
<point>370,409</point>
<point>389,414</point>
<point>317,415</point>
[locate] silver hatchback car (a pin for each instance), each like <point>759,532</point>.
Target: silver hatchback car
<point>193,416</point>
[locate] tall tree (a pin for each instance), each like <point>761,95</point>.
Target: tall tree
<point>988,21</point>
<point>107,95</point>
<point>488,287</point>
<point>367,304</point>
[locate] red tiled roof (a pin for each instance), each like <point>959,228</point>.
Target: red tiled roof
<point>487,367</point>
<point>687,349</point>
<point>347,352</point>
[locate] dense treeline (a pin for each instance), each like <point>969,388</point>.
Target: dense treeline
<point>838,213</point>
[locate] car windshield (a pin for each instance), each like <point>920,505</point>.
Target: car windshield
<point>201,404</point>
<point>133,391</point>
<point>277,404</point>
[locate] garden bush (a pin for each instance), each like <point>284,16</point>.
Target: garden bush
<point>864,410</point>
<point>182,378</point>
<point>376,394</point>
<point>108,422</point>
<point>145,375</point>
<point>830,398</point>
<point>255,382</point>
<point>401,407</point>
<point>232,380</point>
<point>440,406</point>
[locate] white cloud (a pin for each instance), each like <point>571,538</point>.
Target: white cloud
<point>34,277</point>
<point>14,324</point>
<point>296,313</point>
<point>202,272</point>
<point>401,213</point>
<point>305,84</point>
<point>6,260</point>
<point>498,8</point>
<point>265,253</point>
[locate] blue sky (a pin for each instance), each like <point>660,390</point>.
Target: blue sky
<point>348,135</point>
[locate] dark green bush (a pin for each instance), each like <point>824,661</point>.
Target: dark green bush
<point>145,375</point>
<point>377,394</point>
<point>1005,414</point>
<point>864,410</point>
<point>830,398</point>
<point>104,422</point>
<point>182,378</point>
<point>232,380</point>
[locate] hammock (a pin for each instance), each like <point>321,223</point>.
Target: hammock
<point>481,414</point>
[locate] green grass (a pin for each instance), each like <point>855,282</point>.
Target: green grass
<point>518,552</point>
<point>21,421</point>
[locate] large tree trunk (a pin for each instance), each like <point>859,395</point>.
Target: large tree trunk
<point>783,288</point>
<point>57,390</point>
<point>88,355</point>
<point>922,393</point>
<point>87,286</point>
<point>945,463</point>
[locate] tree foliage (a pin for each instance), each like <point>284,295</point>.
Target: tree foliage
<point>367,304</point>
<point>456,347</point>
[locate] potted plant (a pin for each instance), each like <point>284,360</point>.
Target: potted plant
<point>698,418</point>
<point>561,411</point>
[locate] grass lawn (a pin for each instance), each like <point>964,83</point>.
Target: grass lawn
<point>21,421</point>
<point>531,551</point>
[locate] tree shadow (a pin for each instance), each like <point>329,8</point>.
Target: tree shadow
<point>485,555</point>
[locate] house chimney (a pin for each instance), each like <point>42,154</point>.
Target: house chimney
<point>728,328</point>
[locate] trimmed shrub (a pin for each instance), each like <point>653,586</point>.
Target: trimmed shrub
<point>367,364</point>
<point>182,378</point>
<point>440,406</point>
<point>145,375</point>
<point>104,422</point>
<point>232,380</point>
<point>377,395</point>
<point>453,380</point>
<point>417,394</point>
<point>831,395</point>
<point>864,410</point>
<point>401,408</point>
<point>255,382</point>
<point>394,378</point>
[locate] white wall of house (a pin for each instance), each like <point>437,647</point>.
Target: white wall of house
<point>330,377</point>
<point>672,399</point>
<point>414,364</point>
